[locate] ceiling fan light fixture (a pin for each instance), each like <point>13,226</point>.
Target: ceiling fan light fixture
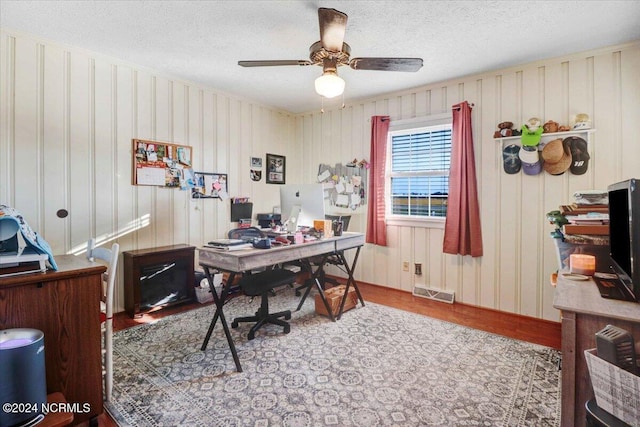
<point>329,84</point>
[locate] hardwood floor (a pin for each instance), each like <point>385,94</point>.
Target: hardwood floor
<point>523,328</point>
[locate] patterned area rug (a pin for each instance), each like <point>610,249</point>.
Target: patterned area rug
<point>377,366</point>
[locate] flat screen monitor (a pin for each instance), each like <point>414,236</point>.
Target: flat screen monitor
<point>300,204</point>
<point>624,234</point>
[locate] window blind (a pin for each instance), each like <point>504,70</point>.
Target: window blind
<point>420,162</point>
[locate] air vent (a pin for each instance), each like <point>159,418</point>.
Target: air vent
<point>433,293</point>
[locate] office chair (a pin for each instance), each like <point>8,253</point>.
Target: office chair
<point>262,283</point>
<point>332,259</point>
<point>335,259</point>
<point>249,234</point>
<point>110,258</point>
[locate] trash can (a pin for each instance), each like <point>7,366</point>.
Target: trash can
<point>23,388</point>
<point>596,417</point>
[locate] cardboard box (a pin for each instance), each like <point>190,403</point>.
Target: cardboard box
<point>334,298</point>
<point>323,225</point>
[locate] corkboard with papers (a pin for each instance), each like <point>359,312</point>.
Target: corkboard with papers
<point>159,163</point>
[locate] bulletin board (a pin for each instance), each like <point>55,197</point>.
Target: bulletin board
<point>346,184</point>
<point>159,163</point>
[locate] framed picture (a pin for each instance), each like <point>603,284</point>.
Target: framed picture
<point>210,186</point>
<point>256,162</point>
<point>276,168</point>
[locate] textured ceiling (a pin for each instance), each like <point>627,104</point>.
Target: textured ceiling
<point>202,41</point>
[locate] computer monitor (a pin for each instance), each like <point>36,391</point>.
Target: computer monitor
<point>300,204</point>
<point>624,235</point>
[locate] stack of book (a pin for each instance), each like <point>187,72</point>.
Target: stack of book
<point>590,222</point>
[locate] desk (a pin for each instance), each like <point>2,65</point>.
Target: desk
<point>65,306</point>
<point>585,312</point>
<point>245,260</point>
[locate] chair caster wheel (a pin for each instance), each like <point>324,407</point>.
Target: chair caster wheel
<point>234,325</point>
<point>251,336</point>
<point>297,293</point>
<point>287,316</point>
<point>287,329</point>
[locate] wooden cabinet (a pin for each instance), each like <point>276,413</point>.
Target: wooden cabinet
<point>65,306</point>
<point>585,312</point>
<point>158,277</point>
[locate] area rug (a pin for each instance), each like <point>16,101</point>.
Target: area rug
<point>377,366</point>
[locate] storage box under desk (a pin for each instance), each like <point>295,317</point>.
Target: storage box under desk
<point>334,298</point>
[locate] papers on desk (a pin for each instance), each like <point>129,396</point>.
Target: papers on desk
<point>230,247</point>
<point>228,244</point>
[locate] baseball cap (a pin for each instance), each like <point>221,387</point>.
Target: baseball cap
<point>531,137</point>
<point>512,163</point>
<point>557,157</point>
<point>579,155</point>
<point>530,158</point>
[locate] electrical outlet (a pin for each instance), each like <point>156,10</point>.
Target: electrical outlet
<point>418,269</point>
<point>405,265</point>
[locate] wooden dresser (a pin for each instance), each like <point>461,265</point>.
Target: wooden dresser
<point>585,312</point>
<point>65,305</point>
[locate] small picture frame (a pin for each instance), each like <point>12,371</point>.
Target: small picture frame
<point>276,169</point>
<point>256,163</point>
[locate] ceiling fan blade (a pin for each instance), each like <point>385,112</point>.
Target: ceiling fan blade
<point>333,25</point>
<point>386,64</point>
<point>274,63</point>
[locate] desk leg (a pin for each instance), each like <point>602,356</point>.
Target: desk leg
<point>219,302</point>
<point>350,279</point>
<point>314,277</point>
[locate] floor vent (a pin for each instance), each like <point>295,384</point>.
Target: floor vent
<point>434,293</point>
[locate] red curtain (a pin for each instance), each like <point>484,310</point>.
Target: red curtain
<point>376,227</point>
<point>462,231</point>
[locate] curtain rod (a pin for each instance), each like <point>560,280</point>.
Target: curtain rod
<point>455,107</point>
<point>417,118</point>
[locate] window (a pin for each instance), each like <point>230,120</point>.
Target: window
<point>418,171</point>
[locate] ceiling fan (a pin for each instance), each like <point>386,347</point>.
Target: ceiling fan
<point>332,52</point>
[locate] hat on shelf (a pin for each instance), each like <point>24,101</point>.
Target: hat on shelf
<point>530,158</point>
<point>512,163</point>
<point>532,132</point>
<point>557,157</point>
<point>579,155</point>
<point>582,122</point>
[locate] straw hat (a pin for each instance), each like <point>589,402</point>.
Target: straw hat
<point>557,157</point>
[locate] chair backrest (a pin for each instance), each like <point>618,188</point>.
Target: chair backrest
<point>247,233</point>
<point>344,218</point>
<point>110,258</point>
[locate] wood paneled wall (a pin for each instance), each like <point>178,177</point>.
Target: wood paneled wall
<point>67,117</point>
<point>519,256</point>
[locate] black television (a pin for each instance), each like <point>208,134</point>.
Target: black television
<point>624,235</point>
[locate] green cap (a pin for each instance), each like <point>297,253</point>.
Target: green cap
<point>531,138</point>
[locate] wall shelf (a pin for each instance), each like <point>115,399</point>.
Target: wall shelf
<point>584,133</point>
